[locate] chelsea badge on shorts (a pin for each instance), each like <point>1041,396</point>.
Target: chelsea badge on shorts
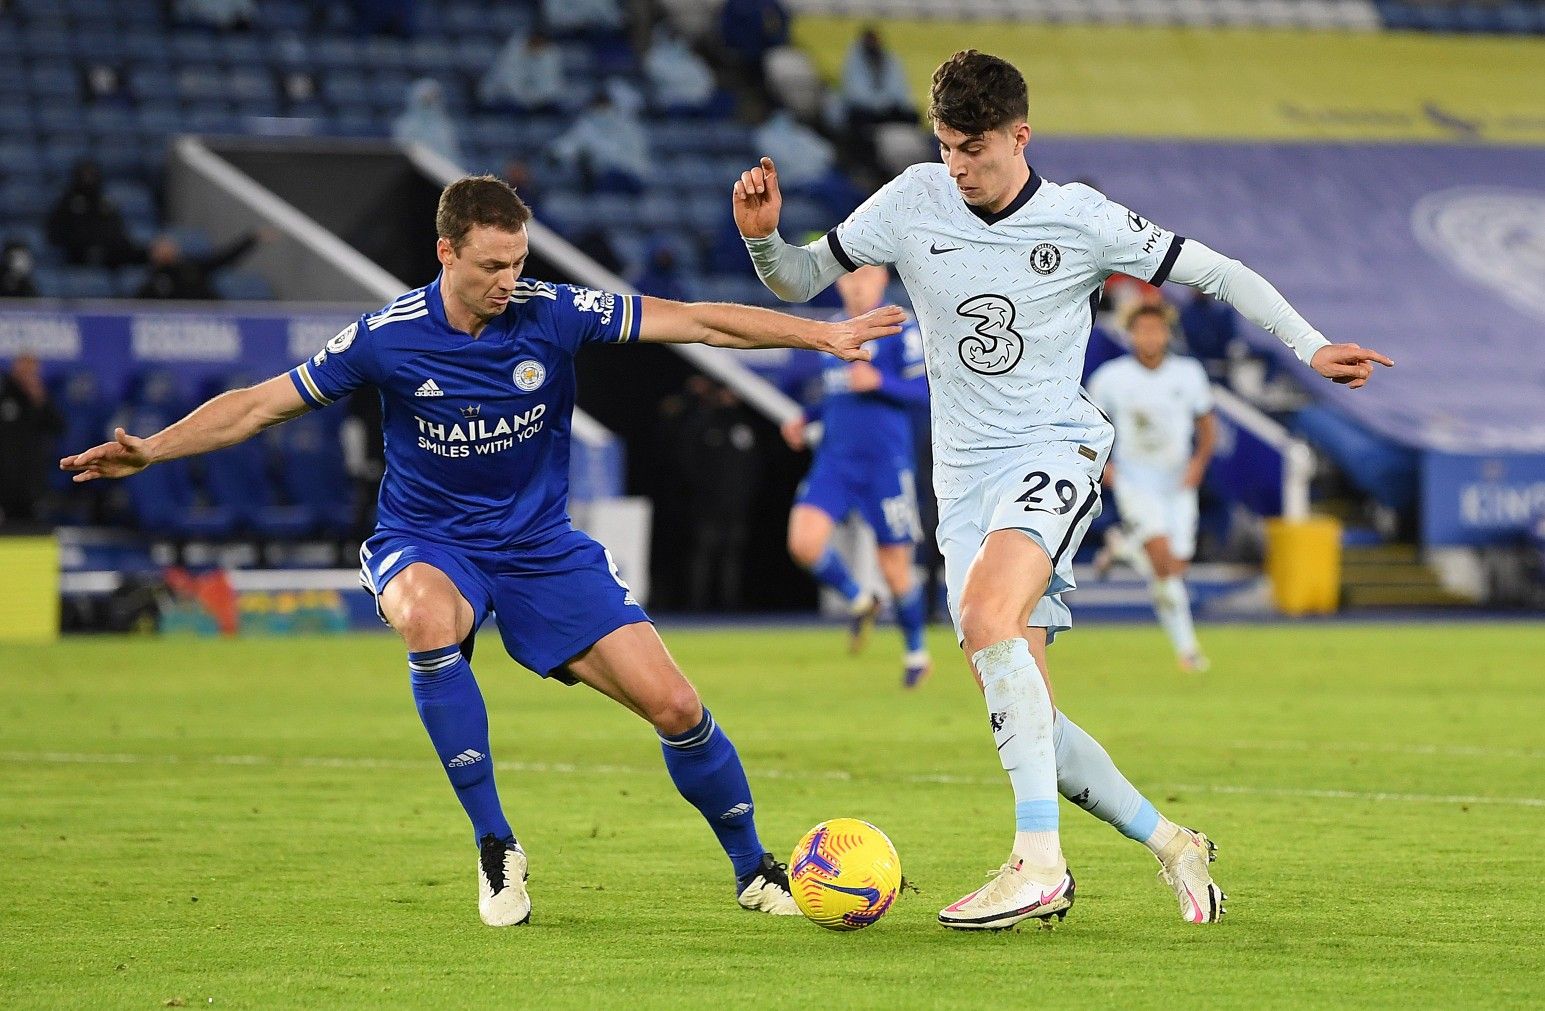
<point>530,374</point>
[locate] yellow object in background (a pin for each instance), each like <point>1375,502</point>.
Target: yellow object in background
<point>1258,84</point>
<point>1303,562</point>
<point>29,589</point>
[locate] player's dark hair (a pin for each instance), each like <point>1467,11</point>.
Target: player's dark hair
<point>478,200</point>
<point>976,93</point>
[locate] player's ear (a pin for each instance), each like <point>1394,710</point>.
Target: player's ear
<point>444,251</point>
<point>1021,138</point>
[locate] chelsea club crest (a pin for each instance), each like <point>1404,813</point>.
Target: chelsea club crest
<point>529,375</point>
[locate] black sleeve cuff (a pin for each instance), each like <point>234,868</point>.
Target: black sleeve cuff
<point>842,254</point>
<point>1162,274</point>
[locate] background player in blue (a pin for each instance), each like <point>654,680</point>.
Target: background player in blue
<point>864,464</point>
<point>476,375</point>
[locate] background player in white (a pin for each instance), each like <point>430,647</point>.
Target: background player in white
<point>1003,269</point>
<point>1161,405</point>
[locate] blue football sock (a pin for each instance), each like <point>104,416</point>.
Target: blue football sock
<point>452,709</point>
<point>831,571</point>
<point>707,770</point>
<point>909,615</point>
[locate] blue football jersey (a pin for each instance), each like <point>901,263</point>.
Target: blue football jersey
<point>874,426</point>
<point>476,429</point>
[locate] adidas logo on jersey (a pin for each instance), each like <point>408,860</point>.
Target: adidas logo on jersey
<point>468,757</point>
<point>429,389</point>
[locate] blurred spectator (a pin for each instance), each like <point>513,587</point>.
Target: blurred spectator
<point>748,29</point>
<point>520,176</point>
<point>425,121</point>
<point>526,75</point>
<point>679,79</point>
<point>594,244</point>
<point>87,226</point>
<point>661,275</point>
<point>807,163</point>
<point>1209,328</point>
<point>720,441</point>
<point>28,424</point>
<point>364,458</point>
<point>608,146</point>
<point>16,271</point>
<point>581,17</point>
<point>174,274</point>
<point>224,14</point>
<point>874,84</point>
<point>103,82</point>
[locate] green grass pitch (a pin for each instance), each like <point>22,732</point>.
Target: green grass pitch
<point>260,823</point>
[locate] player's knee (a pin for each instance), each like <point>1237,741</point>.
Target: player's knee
<point>804,549</point>
<point>677,711</point>
<point>984,621</point>
<point>425,622</point>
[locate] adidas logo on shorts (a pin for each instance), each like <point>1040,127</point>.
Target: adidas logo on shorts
<point>468,757</point>
<point>429,389</point>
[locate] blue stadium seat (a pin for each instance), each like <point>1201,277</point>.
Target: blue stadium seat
<point>237,480</point>
<point>331,54</point>
<point>475,55</point>
<point>24,199</point>
<point>152,83</point>
<point>129,279</point>
<point>386,53</point>
<point>243,286</point>
<point>133,199</point>
<point>53,44</point>
<point>194,47</point>
<point>252,85</point>
<point>19,158</point>
<point>276,14</point>
<point>148,46</point>
<point>346,89</point>
<point>98,44</point>
<point>85,12</point>
<point>59,155</point>
<point>210,117</point>
<point>310,472</point>
<point>111,121</point>
<point>244,51</point>
<point>431,57</point>
<point>53,80</point>
<point>388,90</point>
<point>85,282</point>
<point>201,82</point>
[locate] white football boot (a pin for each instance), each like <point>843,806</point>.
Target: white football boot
<point>767,889</point>
<point>1015,893</point>
<point>502,900</point>
<point>1193,663</point>
<point>1183,866</point>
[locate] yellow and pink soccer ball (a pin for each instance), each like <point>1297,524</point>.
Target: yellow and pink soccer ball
<point>844,874</point>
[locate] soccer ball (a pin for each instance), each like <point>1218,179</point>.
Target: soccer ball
<point>845,874</point>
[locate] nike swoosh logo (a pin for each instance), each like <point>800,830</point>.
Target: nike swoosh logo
<point>1007,740</point>
<point>935,249</point>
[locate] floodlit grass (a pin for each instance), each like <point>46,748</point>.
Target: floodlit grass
<point>261,823</point>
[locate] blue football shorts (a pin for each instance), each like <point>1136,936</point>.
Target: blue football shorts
<point>553,599</point>
<point>883,495</point>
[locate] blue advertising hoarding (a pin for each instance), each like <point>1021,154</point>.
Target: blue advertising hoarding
<point>1481,499</point>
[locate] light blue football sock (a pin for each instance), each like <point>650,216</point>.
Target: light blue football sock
<point>1087,777</point>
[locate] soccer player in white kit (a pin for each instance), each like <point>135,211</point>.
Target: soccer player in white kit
<point>1161,405</point>
<point>1003,268</point>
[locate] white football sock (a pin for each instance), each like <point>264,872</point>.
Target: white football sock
<point>1019,707</point>
<point>1172,604</point>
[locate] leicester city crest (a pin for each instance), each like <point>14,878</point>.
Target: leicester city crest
<point>1045,258</point>
<point>530,374</point>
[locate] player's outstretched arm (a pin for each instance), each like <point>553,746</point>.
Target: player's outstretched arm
<point>725,325</point>
<point>793,273</point>
<point>224,421</point>
<point>1261,304</point>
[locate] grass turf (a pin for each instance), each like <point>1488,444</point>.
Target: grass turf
<point>260,823</point>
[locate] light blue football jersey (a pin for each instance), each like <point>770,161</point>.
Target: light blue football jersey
<point>476,429</point>
<point>1006,303</point>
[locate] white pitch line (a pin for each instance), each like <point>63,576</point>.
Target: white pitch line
<point>831,775</point>
<point>1438,750</point>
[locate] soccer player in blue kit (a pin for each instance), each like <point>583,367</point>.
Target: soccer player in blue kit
<point>476,376</point>
<point>864,464</point>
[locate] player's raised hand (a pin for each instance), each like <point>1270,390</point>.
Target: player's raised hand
<point>1347,364</point>
<point>758,201</point>
<point>846,339</point>
<point>124,456</point>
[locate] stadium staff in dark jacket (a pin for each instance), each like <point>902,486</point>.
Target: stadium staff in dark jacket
<point>86,224</point>
<point>174,274</point>
<point>28,424</point>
